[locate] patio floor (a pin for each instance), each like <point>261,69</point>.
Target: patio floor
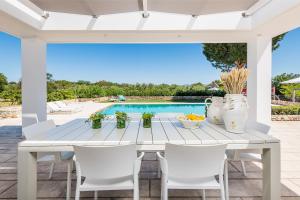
<point>242,188</point>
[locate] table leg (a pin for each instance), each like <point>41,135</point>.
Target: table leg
<point>271,172</point>
<point>27,175</point>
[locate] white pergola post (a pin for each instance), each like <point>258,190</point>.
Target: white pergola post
<point>259,58</point>
<point>34,79</point>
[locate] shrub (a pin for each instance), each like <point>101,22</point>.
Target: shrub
<point>286,110</point>
<point>61,95</point>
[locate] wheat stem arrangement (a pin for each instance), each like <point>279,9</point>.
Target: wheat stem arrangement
<point>234,81</point>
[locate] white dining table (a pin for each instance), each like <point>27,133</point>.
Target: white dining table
<point>164,130</point>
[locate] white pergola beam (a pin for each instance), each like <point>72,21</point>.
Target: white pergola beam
<point>33,7</point>
<point>22,13</point>
<point>145,37</point>
<point>273,18</point>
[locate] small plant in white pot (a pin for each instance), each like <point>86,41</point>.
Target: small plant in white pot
<point>235,110</point>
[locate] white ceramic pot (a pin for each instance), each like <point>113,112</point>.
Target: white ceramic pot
<point>215,110</point>
<point>235,113</point>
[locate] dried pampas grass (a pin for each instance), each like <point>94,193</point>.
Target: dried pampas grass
<point>234,81</point>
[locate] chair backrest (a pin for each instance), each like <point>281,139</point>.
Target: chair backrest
<point>189,162</point>
<point>106,162</point>
<point>31,132</point>
<point>31,118</point>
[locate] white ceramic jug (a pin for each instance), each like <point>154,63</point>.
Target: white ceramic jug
<point>235,113</point>
<point>215,110</point>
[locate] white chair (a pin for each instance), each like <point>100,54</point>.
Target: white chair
<point>254,155</point>
<point>34,132</point>
<point>193,167</point>
<point>107,168</point>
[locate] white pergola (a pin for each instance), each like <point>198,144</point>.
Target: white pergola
<point>255,22</point>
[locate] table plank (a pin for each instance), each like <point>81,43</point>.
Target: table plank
<point>57,131</point>
<point>187,134</point>
<point>98,134</point>
<point>144,135</point>
<point>171,132</point>
<point>158,132</point>
<point>115,136</point>
<point>131,132</point>
<point>236,138</point>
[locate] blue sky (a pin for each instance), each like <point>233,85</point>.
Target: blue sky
<point>131,63</point>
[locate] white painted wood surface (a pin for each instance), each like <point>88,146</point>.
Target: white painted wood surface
<point>163,130</point>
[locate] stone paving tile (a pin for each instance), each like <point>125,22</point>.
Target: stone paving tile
<point>5,157</point>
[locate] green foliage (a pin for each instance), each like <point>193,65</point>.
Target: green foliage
<point>286,110</point>
<point>12,93</point>
<point>3,82</point>
<point>97,116</point>
<point>276,81</point>
<point>49,77</point>
<point>224,56</point>
<point>287,90</point>
<point>121,115</point>
<point>147,115</point>
<point>61,95</point>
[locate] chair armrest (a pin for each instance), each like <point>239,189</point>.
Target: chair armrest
<point>163,163</point>
<point>137,163</point>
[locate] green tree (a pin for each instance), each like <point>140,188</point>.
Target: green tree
<point>49,77</point>
<point>11,93</point>
<point>3,82</point>
<point>276,81</point>
<point>224,56</point>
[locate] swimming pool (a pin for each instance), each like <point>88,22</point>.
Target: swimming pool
<point>156,108</point>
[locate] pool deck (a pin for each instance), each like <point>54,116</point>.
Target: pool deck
<point>241,188</point>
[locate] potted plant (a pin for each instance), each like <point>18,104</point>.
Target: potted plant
<point>121,119</point>
<point>96,119</point>
<point>147,119</point>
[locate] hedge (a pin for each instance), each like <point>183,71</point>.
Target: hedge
<point>286,110</point>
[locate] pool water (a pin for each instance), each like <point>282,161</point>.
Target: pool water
<point>156,108</point>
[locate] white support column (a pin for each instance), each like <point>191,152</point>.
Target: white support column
<point>34,79</point>
<point>259,57</point>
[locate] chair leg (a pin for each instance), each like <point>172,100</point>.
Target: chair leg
<point>136,194</point>
<point>222,193</point>
<point>244,168</point>
<point>77,191</point>
<point>69,180</point>
<point>203,194</point>
<point>96,195</point>
<point>51,170</point>
<point>226,180</point>
<point>164,189</point>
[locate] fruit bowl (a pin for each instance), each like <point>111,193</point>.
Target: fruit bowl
<point>191,121</point>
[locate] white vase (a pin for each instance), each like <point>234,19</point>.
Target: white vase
<point>235,113</point>
<point>215,110</point>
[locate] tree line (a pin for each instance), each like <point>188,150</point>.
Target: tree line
<point>62,89</point>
